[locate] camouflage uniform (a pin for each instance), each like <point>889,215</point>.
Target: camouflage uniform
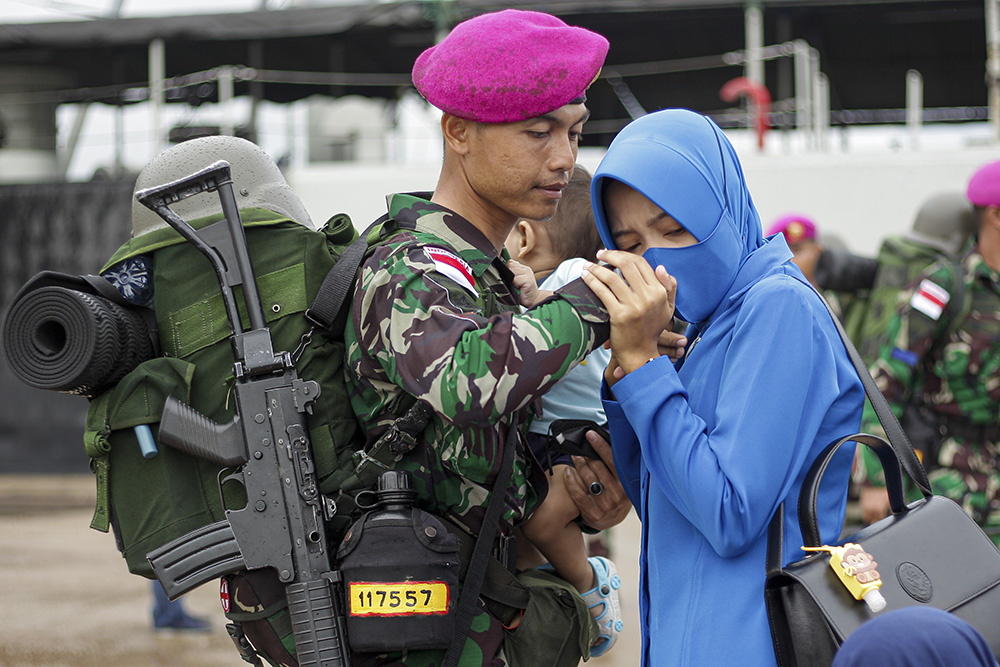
<point>944,361</point>
<point>459,342</point>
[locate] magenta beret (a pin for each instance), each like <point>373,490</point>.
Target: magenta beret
<point>984,186</point>
<point>509,66</point>
<point>796,228</point>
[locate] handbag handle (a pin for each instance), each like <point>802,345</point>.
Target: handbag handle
<point>894,452</point>
<point>887,455</point>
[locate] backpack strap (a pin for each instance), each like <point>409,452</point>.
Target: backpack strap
<point>340,279</point>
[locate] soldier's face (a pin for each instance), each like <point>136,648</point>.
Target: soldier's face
<point>522,168</point>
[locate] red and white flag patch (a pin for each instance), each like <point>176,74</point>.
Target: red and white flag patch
<point>930,299</point>
<point>454,267</point>
<point>224,595</point>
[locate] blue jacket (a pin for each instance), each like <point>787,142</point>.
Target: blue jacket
<point>709,451</point>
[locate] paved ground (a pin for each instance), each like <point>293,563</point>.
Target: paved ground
<point>67,600</point>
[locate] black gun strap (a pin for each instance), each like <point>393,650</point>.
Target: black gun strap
<point>339,280</point>
<point>468,600</point>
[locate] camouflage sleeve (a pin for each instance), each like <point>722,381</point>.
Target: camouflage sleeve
<point>913,331</point>
<point>429,336</point>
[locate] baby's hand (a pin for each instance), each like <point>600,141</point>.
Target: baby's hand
<point>524,281</point>
<point>672,344</point>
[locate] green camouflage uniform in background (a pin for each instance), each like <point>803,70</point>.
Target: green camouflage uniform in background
<point>951,365</point>
<point>473,356</point>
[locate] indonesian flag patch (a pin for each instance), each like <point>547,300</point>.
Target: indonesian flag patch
<point>453,266</point>
<point>930,299</point>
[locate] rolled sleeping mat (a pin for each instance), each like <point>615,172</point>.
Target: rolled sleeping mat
<point>69,341</point>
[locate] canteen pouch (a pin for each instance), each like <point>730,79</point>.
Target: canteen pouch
<point>400,572</point>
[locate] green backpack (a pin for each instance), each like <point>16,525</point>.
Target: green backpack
<point>900,261</point>
<point>148,502</point>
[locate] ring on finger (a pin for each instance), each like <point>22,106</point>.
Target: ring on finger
<point>596,488</point>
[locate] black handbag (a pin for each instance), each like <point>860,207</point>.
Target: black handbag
<point>929,552</point>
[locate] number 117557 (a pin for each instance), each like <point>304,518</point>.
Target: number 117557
<point>375,598</point>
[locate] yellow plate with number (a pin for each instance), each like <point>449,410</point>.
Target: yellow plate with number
<point>378,598</point>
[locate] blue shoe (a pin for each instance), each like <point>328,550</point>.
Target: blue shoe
<point>605,593</point>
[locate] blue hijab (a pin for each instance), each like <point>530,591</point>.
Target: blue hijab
<point>683,163</point>
<point>915,637</point>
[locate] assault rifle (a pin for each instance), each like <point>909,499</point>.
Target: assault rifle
<point>282,525</point>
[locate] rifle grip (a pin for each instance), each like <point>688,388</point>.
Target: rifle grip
<point>319,638</point>
<point>184,428</point>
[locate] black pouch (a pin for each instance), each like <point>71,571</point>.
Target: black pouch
<point>569,436</point>
<point>400,569</point>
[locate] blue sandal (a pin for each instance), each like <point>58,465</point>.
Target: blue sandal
<point>605,593</point>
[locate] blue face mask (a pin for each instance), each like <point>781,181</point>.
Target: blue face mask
<point>683,163</point>
<point>704,271</point>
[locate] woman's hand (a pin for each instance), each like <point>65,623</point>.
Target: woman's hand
<point>670,344</point>
<point>640,303</point>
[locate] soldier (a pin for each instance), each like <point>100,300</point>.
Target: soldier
<point>800,233</point>
<point>435,316</point>
<point>942,370</point>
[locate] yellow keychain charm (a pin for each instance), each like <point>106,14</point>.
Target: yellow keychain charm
<point>855,568</point>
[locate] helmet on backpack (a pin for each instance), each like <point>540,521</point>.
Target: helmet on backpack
<point>256,178</point>
<point>944,221</point>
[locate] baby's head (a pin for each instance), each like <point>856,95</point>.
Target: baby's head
<point>544,244</point>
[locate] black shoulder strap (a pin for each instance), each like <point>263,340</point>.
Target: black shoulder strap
<point>468,599</point>
<point>339,281</point>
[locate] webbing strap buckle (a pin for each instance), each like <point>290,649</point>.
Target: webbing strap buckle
<point>243,645</point>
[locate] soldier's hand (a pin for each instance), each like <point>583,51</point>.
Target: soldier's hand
<point>874,502</point>
<point>610,506</point>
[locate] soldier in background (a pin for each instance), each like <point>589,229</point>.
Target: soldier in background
<point>435,313</point>
<point>941,372</point>
<point>941,230</point>
<point>843,278</point>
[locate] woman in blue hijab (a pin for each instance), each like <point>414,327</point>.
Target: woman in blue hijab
<point>710,449</point>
